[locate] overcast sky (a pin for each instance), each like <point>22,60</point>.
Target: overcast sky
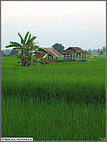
<point>70,23</point>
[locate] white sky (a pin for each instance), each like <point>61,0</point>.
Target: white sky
<point>70,23</point>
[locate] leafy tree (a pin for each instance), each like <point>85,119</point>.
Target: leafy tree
<point>2,53</point>
<point>58,47</point>
<point>20,46</point>
<point>26,47</point>
<point>89,51</point>
<point>104,49</point>
<point>14,52</point>
<point>7,52</point>
<point>98,50</point>
<point>101,52</point>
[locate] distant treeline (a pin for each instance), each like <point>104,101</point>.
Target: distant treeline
<point>9,52</point>
<point>97,51</point>
<point>56,46</point>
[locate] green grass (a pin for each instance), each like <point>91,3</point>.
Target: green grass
<point>56,101</point>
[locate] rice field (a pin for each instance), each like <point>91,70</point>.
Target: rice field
<point>56,101</point>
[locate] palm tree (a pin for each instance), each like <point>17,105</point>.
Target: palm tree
<point>27,46</point>
<point>22,45</point>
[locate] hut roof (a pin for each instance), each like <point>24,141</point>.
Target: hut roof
<point>40,55</point>
<point>74,50</point>
<point>52,52</point>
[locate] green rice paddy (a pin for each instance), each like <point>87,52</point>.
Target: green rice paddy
<point>56,101</point>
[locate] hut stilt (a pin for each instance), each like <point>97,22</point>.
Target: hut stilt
<point>56,59</point>
<point>64,58</point>
<point>44,60</point>
<point>48,58</point>
<point>79,56</point>
<point>71,57</point>
<point>76,57</point>
<point>85,56</point>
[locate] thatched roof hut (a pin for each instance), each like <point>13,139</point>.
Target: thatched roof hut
<point>75,50</point>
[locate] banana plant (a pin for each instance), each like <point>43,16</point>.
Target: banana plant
<point>24,45</point>
<point>20,46</point>
<point>27,46</point>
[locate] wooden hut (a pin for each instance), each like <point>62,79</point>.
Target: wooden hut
<point>74,54</point>
<point>50,53</point>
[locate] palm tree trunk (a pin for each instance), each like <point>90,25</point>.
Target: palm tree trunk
<point>22,53</point>
<point>31,57</point>
<point>22,58</point>
<point>31,60</point>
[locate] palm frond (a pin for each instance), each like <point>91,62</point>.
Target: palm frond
<point>9,46</point>
<point>22,41</point>
<point>32,39</point>
<point>21,48</point>
<point>31,47</point>
<point>15,43</point>
<point>40,52</point>
<point>26,37</point>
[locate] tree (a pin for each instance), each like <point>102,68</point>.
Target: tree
<point>2,53</point>
<point>26,47</point>
<point>89,51</point>
<point>58,47</point>
<point>98,50</point>
<point>104,49</point>
<point>14,52</point>
<point>20,46</point>
<point>101,52</point>
<point>7,52</point>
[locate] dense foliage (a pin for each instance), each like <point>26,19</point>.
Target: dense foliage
<point>58,47</point>
<point>27,46</point>
<point>97,51</point>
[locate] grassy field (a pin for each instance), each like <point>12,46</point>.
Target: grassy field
<point>56,101</point>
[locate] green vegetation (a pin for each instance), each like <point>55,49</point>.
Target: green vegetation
<point>27,46</point>
<point>56,101</point>
<point>58,47</point>
<point>14,52</point>
<point>98,51</point>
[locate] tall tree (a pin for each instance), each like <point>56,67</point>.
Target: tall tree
<point>104,49</point>
<point>98,50</point>
<point>2,52</point>
<point>58,47</point>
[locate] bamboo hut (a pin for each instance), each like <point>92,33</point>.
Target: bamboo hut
<point>75,54</point>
